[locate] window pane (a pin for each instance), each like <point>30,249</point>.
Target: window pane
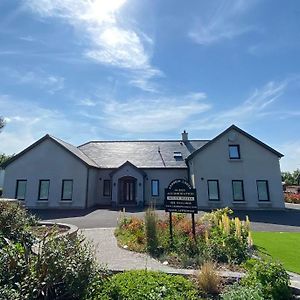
<point>238,193</point>
<point>106,187</point>
<point>234,151</point>
<point>213,190</point>
<point>155,188</point>
<point>67,189</point>
<point>262,189</point>
<point>44,190</point>
<point>21,189</point>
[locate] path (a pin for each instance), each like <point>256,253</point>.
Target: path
<point>109,254</point>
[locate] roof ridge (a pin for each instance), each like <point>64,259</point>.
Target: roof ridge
<point>141,141</point>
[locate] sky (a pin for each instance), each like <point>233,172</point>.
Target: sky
<point>130,69</point>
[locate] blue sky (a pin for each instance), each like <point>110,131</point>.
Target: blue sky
<point>130,69</point>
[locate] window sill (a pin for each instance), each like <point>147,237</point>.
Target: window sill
<point>235,160</point>
<point>66,201</point>
<point>264,203</point>
<point>239,202</point>
<point>42,200</point>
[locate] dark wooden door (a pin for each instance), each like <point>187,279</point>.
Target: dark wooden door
<point>128,190</point>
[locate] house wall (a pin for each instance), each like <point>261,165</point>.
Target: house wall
<point>47,161</point>
<point>1,178</point>
<point>256,163</point>
<point>165,176</point>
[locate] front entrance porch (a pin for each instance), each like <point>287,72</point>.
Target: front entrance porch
<point>128,183</point>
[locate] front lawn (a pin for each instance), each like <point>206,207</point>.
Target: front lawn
<point>284,246</point>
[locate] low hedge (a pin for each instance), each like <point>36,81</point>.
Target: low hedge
<point>145,285</point>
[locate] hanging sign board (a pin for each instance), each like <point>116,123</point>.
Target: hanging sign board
<point>180,197</point>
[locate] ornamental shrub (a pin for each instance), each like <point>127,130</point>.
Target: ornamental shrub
<point>271,276</point>
<point>15,223</point>
<point>238,292</point>
<point>208,279</point>
<point>292,198</point>
<point>63,269</point>
<point>151,232</point>
<point>146,285</point>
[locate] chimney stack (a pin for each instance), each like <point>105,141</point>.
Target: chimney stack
<point>184,136</point>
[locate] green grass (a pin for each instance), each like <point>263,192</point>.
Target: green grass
<point>282,246</point>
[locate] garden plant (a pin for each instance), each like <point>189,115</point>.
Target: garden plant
<point>218,238</point>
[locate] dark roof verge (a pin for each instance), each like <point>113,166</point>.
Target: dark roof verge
<point>131,165</point>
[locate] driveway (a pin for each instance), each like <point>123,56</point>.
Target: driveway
<point>267,220</point>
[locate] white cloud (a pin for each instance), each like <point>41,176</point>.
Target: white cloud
<point>112,41</point>
<point>28,121</point>
<point>249,110</point>
<point>87,102</point>
<point>221,20</point>
<point>38,78</point>
<point>150,115</point>
<point>291,159</point>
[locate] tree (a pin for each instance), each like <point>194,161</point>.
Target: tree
<point>4,158</point>
<point>2,123</point>
<point>291,178</point>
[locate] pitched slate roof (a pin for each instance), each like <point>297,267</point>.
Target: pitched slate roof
<point>75,151</point>
<point>143,154</point>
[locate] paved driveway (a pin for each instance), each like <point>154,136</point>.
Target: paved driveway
<point>286,220</point>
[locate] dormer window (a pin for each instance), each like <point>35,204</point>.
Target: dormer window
<point>234,152</point>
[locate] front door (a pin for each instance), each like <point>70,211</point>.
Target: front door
<point>127,190</point>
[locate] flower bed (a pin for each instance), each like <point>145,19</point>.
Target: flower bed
<point>218,238</point>
<point>292,198</point>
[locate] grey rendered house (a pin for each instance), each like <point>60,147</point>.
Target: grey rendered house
<point>233,169</point>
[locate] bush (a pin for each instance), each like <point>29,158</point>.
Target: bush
<point>292,198</point>
<point>63,269</point>
<point>144,285</point>
<point>208,279</point>
<point>271,276</point>
<point>218,238</point>
<point>238,292</point>
<point>15,223</point>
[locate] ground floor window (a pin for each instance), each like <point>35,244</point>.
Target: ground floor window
<point>155,187</point>
<point>263,190</point>
<point>67,190</point>
<point>213,190</point>
<point>21,189</point>
<point>44,189</point>
<point>238,190</point>
<point>107,188</point>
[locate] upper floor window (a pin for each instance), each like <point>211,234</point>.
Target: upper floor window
<point>263,190</point>
<point>44,189</point>
<point>238,190</point>
<point>21,189</point>
<point>234,152</point>
<point>106,188</point>
<point>154,187</point>
<point>67,190</point>
<point>213,190</point>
